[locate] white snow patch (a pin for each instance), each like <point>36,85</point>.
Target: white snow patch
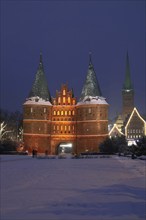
<point>72,189</point>
<point>93,100</point>
<point>36,101</point>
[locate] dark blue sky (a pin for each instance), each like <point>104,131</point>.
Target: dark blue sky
<point>65,32</point>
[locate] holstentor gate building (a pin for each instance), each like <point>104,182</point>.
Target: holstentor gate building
<point>49,122</point>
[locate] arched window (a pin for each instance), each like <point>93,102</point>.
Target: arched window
<point>68,99</point>
<point>64,100</point>
<point>65,112</point>
<point>89,110</point>
<point>59,100</point>
<point>54,112</point>
<point>58,112</point>
<point>73,112</point>
<point>61,112</point>
<point>64,92</point>
<point>69,112</point>
<point>73,102</point>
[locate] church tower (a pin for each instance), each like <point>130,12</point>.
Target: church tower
<point>37,114</point>
<point>92,114</point>
<point>127,92</point>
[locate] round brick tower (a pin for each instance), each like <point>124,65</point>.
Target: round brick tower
<point>37,115</point>
<point>92,115</point>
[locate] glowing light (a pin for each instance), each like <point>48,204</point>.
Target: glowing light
<point>66,145</point>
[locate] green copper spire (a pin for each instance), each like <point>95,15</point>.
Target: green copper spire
<point>91,86</point>
<point>40,87</point>
<point>127,83</point>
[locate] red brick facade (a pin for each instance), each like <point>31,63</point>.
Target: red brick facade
<point>46,126</point>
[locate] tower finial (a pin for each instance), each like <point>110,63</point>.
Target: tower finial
<point>90,60</point>
<point>41,60</point>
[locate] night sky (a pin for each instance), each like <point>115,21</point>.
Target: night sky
<point>65,32</point>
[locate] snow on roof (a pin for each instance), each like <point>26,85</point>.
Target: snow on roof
<point>93,100</point>
<point>36,101</point>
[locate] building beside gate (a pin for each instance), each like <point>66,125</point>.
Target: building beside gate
<point>50,123</point>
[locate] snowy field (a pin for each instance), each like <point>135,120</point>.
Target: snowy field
<point>72,189</point>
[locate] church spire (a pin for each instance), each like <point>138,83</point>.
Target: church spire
<point>127,92</point>
<point>127,83</point>
<point>40,87</point>
<point>91,86</point>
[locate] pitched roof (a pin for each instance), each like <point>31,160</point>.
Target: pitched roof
<point>135,111</point>
<point>40,86</point>
<point>91,86</point>
<point>127,83</point>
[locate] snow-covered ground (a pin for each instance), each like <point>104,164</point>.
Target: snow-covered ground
<point>72,189</point>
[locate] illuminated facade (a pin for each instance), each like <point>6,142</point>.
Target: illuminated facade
<point>129,122</point>
<point>52,122</point>
<point>136,126</point>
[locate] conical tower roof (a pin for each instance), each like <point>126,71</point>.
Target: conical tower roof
<point>91,86</point>
<point>127,83</point>
<point>40,86</point>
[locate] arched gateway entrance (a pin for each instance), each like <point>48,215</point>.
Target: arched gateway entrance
<point>66,148</point>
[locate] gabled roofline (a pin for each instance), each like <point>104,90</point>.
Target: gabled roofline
<point>115,126</point>
<point>135,110</point>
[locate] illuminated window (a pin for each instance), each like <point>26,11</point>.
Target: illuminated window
<point>68,99</point>
<point>64,92</point>
<point>69,112</point>
<point>61,112</point>
<point>61,128</point>
<point>44,110</point>
<point>65,112</point>
<point>63,100</point>
<point>73,102</point>
<point>73,112</point>
<point>54,112</point>
<point>65,127</point>
<point>59,100</point>
<point>58,112</point>
<point>57,127</point>
<point>31,110</point>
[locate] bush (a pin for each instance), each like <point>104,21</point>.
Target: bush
<point>8,146</point>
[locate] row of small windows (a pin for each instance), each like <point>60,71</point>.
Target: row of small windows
<point>32,110</point>
<point>63,128</point>
<point>63,119</point>
<point>56,112</point>
<point>64,112</point>
<point>64,101</point>
<point>135,131</point>
<point>134,136</point>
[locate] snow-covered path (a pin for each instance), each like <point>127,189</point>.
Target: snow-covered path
<point>72,189</point>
